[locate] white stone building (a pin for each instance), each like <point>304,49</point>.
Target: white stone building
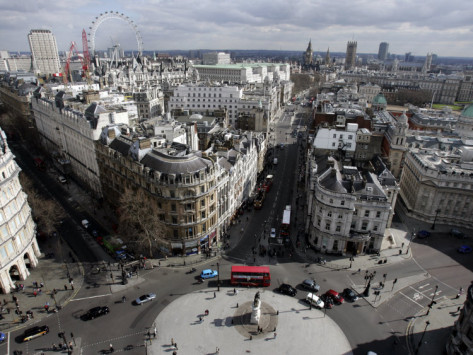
<point>348,210</point>
<point>18,246</point>
<point>214,58</point>
<point>244,73</point>
<point>437,185</point>
<point>333,139</point>
<point>71,133</point>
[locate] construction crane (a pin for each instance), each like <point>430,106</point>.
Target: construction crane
<point>67,67</point>
<point>85,51</point>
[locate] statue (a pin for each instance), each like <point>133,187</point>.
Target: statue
<point>256,313</point>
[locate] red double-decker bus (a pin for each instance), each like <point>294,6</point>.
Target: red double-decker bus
<point>250,275</point>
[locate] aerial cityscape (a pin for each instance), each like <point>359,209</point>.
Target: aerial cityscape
<point>229,178</point>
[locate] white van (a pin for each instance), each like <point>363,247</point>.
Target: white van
<point>314,300</point>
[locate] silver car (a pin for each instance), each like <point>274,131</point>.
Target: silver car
<point>145,298</point>
<point>311,285</point>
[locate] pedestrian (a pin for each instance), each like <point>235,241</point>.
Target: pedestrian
<point>200,319</point>
<point>275,334</point>
<point>234,291</point>
<point>5,302</point>
<point>41,284</point>
<point>72,285</point>
<point>215,295</point>
<point>35,293</point>
<point>175,346</point>
<point>461,291</point>
<point>217,350</point>
<point>172,341</point>
<point>154,332</point>
<point>65,287</point>
<point>54,291</point>
<point>70,345</point>
<point>111,348</point>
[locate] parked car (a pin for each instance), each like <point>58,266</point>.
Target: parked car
<point>310,285</point>
<point>35,332</point>
<point>95,313</point>
<point>328,302</point>
<point>145,298</point>
<point>208,273</point>
<point>85,223</point>
<point>61,179</point>
<point>335,296</point>
<point>314,300</point>
<point>349,295</point>
<point>464,249</point>
<point>456,233</point>
<point>2,337</point>
<point>423,234</point>
<point>272,234</point>
<point>287,290</point>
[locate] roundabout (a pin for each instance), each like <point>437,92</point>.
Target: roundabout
<point>199,323</point>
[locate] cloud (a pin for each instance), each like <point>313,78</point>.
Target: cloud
<point>408,25</point>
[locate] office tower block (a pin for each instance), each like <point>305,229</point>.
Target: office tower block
<point>44,52</point>
<point>383,51</point>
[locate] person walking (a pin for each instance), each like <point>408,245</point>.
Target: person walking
<point>111,348</point>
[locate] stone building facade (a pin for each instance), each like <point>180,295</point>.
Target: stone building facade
<point>434,180</point>
<point>18,246</point>
<point>348,210</point>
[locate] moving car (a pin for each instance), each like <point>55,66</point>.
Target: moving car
<point>310,285</point>
<point>314,300</point>
<point>208,274</point>
<point>272,234</point>
<point>349,295</point>
<point>61,179</point>
<point>464,249</point>
<point>423,234</point>
<point>287,290</point>
<point>35,332</point>
<point>145,298</point>
<point>95,312</point>
<point>328,302</point>
<point>335,296</point>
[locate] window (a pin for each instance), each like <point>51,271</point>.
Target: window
<point>338,229</point>
<point>204,227</point>
<point>378,214</point>
<point>329,214</point>
<point>161,217</point>
<point>202,203</point>
<point>174,220</point>
<point>364,226</point>
<point>327,226</point>
<point>173,207</point>
<point>202,214</point>
<point>367,213</point>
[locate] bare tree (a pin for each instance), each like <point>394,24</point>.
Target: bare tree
<point>46,213</point>
<point>139,221</point>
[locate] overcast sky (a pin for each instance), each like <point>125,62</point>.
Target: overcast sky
<point>417,26</point>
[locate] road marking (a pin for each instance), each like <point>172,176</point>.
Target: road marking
<point>410,299</point>
<point>424,286</point>
<point>91,297</point>
<point>417,296</point>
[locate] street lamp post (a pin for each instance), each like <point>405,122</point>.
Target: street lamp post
<point>218,276</point>
<point>410,241</point>
<point>422,338</point>
<point>437,211</point>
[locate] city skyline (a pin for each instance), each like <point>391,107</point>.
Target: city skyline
<point>438,28</point>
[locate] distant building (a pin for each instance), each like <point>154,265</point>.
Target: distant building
<point>213,58</point>
<point>44,51</point>
<point>383,51</point>
<point>18,247</point>
<point>350,58</point>
<point>244,73</point>
<point>308,58</point>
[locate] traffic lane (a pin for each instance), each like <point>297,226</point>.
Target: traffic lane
<point>438,255</point>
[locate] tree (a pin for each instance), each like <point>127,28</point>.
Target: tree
<point>46,213</point>
<point>139,222</point>
<point>414,97</point>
